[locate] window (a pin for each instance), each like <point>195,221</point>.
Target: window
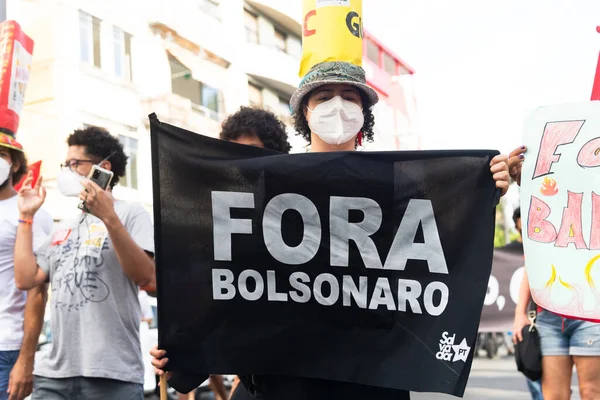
<point>130,147</point>
<point>254,95</point>
<point>402,70</point>
<point>284,107</point>
<point>122,53</point>
<point>89,39</point>
<point>211,7</point>
<point>208,98</point>
<point>211,99</point>
<point>280,39</point>
<point>389,64</point>
<point>251,25</point>
<point>372,51</point>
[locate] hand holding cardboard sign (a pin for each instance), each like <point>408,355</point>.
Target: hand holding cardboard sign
<point>515,163</point>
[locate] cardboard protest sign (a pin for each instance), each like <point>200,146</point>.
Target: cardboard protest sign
<point>560,204</point>
<point>16,49</point>
<point>332,32</point>
<point>359,267</point>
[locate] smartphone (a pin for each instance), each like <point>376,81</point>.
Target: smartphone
<point>101,177</point>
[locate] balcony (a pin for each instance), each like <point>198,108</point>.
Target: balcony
<point>286,13</point>
<point>194,20</point>
<point>179,111</point>
<point>272,68</point>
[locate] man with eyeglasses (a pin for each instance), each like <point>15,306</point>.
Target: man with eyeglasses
<point>21,313</point>
<point>95,264</point>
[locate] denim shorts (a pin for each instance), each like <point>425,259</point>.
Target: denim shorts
<point>567,337</point>
<point>7,361</point>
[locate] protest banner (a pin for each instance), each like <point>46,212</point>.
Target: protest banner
<point>332,31</point>
<point>16,49</point>
<point>364,267</point>
<point>503,289</point>
<point>560,204</point>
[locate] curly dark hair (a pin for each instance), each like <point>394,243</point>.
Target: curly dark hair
<point>99,144</point>
<point>517,215</point>
<point>18,157</point>
<point>302,128</point>
<point>261,123</point>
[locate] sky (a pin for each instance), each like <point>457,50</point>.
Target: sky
<point>482,65</point>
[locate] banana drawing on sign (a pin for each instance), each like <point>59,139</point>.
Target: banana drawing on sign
<point>560,201</point>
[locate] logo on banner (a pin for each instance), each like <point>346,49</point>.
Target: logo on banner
<point>448,349</point>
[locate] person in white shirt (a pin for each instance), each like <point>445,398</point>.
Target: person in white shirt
<point>20,317</point>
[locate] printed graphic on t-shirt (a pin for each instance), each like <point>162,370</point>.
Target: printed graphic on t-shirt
<point>78,266</point>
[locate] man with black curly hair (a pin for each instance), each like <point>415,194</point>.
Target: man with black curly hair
<point>252,127</point>
<point>256,127</point>
<point>95,264</point>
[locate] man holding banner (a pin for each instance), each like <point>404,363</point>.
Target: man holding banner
<point>298,322</point>
<point>561,213</point>
<point>329,90</point>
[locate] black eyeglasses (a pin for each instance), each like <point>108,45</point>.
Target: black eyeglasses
<point>74,164</point>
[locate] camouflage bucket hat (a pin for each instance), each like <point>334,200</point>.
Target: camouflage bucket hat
<point>331,72</point>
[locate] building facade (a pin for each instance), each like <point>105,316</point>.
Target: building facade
<point>192,62</point>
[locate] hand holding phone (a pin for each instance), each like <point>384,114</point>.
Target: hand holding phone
<point>101,177</point>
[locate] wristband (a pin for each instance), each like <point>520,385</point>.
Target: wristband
<point>26,221</point>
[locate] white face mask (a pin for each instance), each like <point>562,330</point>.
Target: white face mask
<point>4,171</point>
<point>69,183</point>
<point>336,121</point>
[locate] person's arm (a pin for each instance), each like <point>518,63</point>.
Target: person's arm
<point>521,317</point>
<point>137,264</point>
<point>27,272</point>
<point>20,384</point>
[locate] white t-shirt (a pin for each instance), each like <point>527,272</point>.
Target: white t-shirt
<point>12,300</point>
<point>95,307</point>
<point>145,305</point>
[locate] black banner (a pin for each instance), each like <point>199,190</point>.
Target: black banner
<point>503,289</point>
<point>351,266</point>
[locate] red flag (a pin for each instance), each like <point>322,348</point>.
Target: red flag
<point>36,168</point>
<point>596,85</point>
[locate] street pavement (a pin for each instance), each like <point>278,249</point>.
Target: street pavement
<point>496,379</point>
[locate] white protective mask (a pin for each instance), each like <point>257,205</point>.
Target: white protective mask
<point>69,183</point>
<point>4,171</point>
<point>336,121</point>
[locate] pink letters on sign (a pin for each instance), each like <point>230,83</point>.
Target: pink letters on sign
<point>571,230</point>
<point>595,234</point>
<point>555,134</point>
<point>538,229</point>
<point>589,155</point>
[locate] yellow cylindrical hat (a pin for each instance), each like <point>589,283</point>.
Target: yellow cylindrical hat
<point>332,31</point>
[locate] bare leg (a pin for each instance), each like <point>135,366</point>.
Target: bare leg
<point>189,396</point>
<point>588,371</point>
<point>218,387</point>
<point>556,377</point>
<point>236,382</point>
